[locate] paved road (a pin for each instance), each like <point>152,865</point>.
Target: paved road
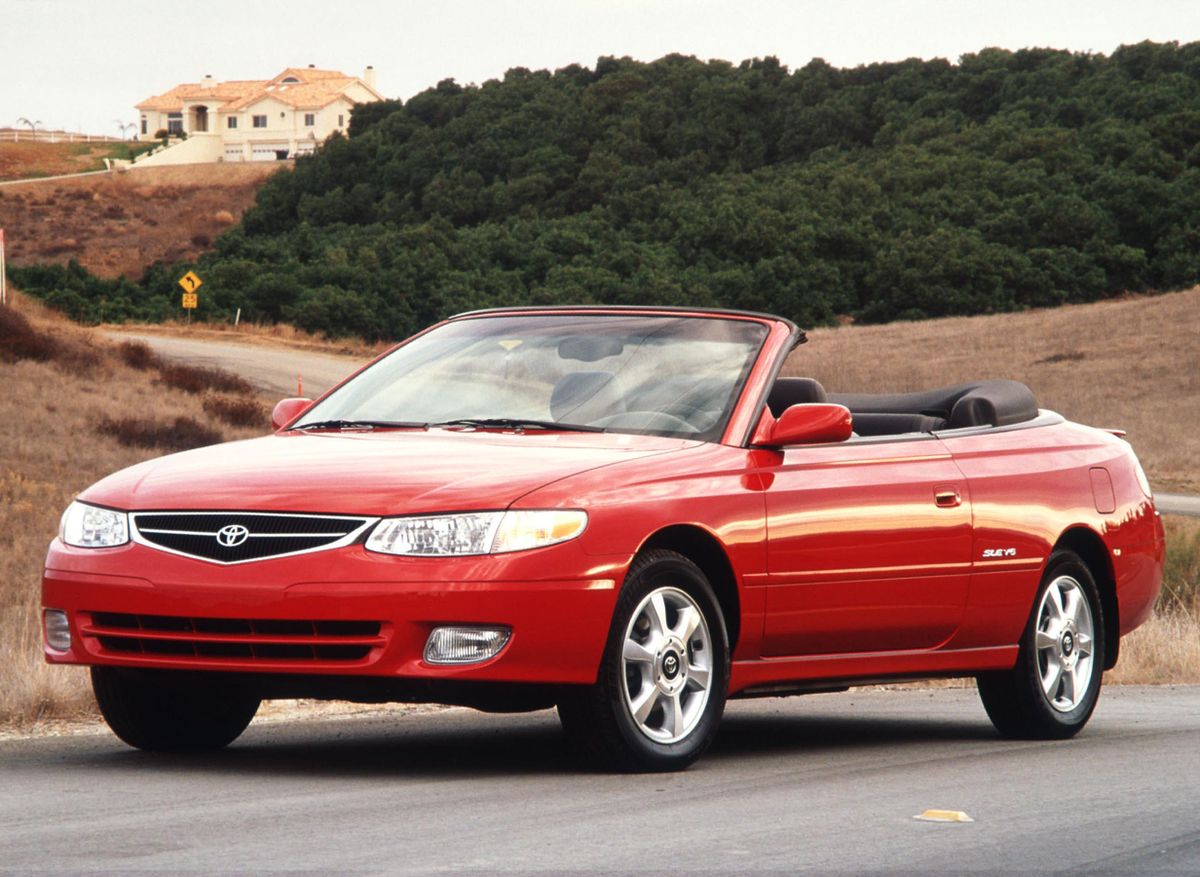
<point>822,783</point>
<point>1178,504</point>
<point>271,369</point>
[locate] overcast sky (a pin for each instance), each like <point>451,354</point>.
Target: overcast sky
<point>83,64</point>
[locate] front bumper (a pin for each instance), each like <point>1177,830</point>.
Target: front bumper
<point>340,612</point>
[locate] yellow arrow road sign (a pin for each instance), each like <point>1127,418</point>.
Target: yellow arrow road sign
<point>190,282</point>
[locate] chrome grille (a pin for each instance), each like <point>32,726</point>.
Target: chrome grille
<point>239,537</point>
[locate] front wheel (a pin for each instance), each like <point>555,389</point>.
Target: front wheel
<point>661,688</point>
<point>169,712</point>
<point>1052,690</point>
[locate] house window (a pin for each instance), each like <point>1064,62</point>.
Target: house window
<point>310,119</point>
<point>231,122</point>
<point>260,121</point>
<point>174,123</point>
<point>340,118</point>
<point>143,124</point>
<point>291,80</point>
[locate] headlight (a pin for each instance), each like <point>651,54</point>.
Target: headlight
<point>475,533</point>
<point>89,526</point>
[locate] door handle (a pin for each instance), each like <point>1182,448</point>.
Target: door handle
<point>947,497</point>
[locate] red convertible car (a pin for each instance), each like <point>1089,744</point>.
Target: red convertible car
<point>623,512</point>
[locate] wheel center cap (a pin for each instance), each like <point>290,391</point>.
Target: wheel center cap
<point>670,665</point>
<point>1068,644</point>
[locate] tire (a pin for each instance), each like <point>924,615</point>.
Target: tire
<point>167,712</point>
<point>1052,690</point>
<point>660,692</point>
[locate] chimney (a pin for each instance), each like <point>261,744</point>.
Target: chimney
<point>208,81</point>
<point>369,76</point>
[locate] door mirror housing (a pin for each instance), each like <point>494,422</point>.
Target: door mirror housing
<point>807,424</point>
<point>288,410</point>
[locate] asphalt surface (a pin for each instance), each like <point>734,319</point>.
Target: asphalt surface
<point>825,783</point>
<point>273,370</point>
<point>1177,504</point>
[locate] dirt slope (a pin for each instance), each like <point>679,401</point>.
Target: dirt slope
<point>117,224</point>
<point>24,159</point>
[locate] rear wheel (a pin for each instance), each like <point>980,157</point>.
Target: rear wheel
<point>661,689</point>
<point>1051,692</point>
<point>165,712</point>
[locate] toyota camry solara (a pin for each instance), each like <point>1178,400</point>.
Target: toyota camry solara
<point>622,512</point>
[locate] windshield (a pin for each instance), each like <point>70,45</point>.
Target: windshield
<point>663,375</point>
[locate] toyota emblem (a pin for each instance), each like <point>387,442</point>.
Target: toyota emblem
<point>232,535</point>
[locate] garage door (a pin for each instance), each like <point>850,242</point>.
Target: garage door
<point>269,151</point>
<point>234,153</point>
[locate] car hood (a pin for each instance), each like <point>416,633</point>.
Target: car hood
<point>369,473</point>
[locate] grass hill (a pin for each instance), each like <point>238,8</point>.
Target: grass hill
<point>24,159</point>
<point>75,408</point>
<point>907,190</point>
<point>114,225</point>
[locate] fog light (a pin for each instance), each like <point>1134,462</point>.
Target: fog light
<point>58,630</point>
<point>465,645</point>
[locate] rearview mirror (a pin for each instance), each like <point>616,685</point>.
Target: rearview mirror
<point>288,410</point>
<point>810,424</point>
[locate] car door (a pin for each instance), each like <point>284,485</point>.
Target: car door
<point>869,547</point>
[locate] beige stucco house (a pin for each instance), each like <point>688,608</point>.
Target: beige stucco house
<point>254,119</point>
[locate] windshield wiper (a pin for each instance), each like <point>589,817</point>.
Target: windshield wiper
<point>515,423</point>
<point>361,424</point>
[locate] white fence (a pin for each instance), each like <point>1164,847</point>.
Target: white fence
<point>24,135</point>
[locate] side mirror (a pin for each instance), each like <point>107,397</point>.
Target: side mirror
<point>807,424</point>
<point>288,410</point>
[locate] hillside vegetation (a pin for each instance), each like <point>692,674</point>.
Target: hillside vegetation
<point>903,190</point>
<point>114,225</point>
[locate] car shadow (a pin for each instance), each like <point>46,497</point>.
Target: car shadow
<point>461,744</point>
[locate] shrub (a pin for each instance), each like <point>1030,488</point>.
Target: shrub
<point>237,410</point>
<point>137,354</point>
<point>197,379</point>
<point>182,434</point>
<point>19,340</point>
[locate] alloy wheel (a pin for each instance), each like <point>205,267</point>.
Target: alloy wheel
<point>666,660</point>
<point>1064,637</point>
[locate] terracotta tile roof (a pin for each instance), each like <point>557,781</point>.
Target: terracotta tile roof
<point>307,95</point>
<point>309,74</point>
<point>316,89</point>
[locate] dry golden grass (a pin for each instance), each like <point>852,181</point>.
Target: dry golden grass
<point>1131,363</point>
<point>269,334</point>
<point>119,223</point>
<point>25,159</point>
<point>51,451</point>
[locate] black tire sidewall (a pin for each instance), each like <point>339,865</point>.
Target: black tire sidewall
<point>164,712</point>
<point>658,570</point>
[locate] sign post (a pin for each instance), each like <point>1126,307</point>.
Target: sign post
<point>3,279</point>
<point>190,283</point>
